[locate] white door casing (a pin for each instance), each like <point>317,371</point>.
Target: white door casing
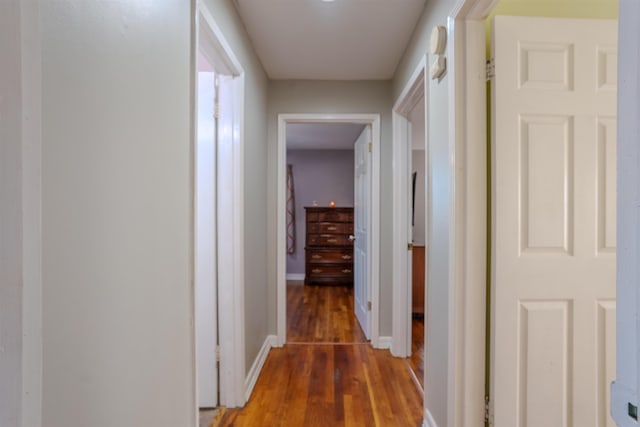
<point>554,221</point>
<point>211,43</point>
<point>362,227</point>
<point>206,245</point>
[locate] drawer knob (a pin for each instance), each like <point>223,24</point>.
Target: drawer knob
<point>316,270</point>
<point>316,256</point>
<point>332,228</point>
<point>346,256</point>
<point>346,270</point>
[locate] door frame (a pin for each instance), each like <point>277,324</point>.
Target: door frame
<point>210,40</point>
<point>469,202</point>
<point>374,254</point>
<point>414,91</point>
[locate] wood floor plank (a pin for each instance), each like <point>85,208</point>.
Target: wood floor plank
<point>416,361</point>
<point>321,314</point>
<point>327,374</point>
<point>351,385</point>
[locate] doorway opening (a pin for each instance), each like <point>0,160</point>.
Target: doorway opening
<point>218,209</point>
<point>321,260</point>
<point>410,250</point>
<point>411,221</point>
<point>369,125</point>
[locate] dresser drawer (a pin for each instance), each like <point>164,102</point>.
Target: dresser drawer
<point>327,240</point>
<point>331,228</point>
<point>328,228</point>
<point>331,270</point>
<point>335,216</point>
<point>315,256</point>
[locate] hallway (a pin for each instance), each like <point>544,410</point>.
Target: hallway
<point>327,374</point>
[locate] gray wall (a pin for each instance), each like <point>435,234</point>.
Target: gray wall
<point>323,176</point>
<point>301,96</point>
<point>20,215</point>
<point>10,215</point>
<point>117,214</point>
<point>117,209</point>
<point>255,179</point>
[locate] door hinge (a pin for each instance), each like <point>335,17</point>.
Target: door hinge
<point>217,353</point>
<point>369,305</point>
<point>409,246</point>
<point>488,411</point>
<point>370,147</point>
<point>216,110</point>
<point>490,69</point>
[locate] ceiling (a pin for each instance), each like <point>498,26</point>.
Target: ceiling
<point>338,40</point>
<point>322,136</point>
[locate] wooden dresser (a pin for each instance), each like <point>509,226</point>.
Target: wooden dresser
<point>328,250</point>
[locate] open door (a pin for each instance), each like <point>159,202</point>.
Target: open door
<point>554,221</point>
<point>362,227</point>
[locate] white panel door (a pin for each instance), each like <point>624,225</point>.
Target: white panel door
<point>362,225</point>
<point>205,240</point>
<point>554,221</point>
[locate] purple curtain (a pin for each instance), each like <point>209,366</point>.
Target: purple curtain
<point>291,213</point>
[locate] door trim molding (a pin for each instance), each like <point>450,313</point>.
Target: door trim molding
<point>231,335</point>
<point>281,267</point>
<point>468,233</point>
<point>414,91</point>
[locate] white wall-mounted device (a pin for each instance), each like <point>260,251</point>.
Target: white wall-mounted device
<point>438,40</point>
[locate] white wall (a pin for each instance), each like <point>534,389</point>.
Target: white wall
<point>117,214</point>
<point>257,324</point>
<point>298,96</point>
<point>418,231</point>
<point>438,270</point>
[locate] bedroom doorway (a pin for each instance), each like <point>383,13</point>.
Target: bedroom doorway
<point>320,233</point>
<point>296,135</point>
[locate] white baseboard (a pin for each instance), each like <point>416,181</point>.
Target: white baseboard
<point>295,276</point>
<point>256,368</point>
<point>384,343</point>
<point>428,419</point>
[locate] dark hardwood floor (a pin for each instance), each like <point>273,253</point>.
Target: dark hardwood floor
<point>416,361</point>
<point>317,314</point>
<point>327,374</point>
